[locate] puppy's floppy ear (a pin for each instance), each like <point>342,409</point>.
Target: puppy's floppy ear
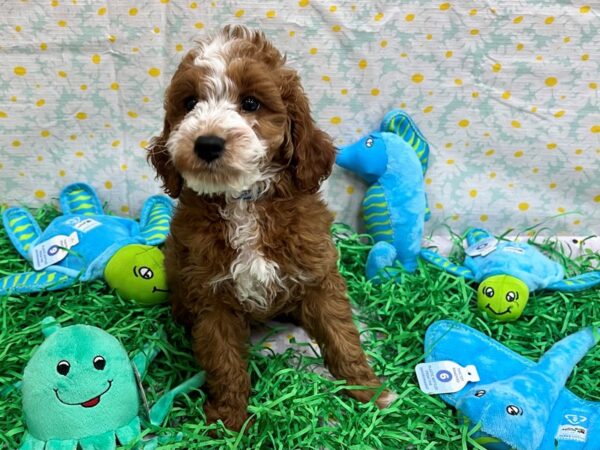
<point>160,158</point>
<point>313,152</point>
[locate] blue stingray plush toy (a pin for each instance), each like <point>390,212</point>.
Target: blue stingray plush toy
<point>392,161</point>
<point>519,404</point>
<point>85,244</point>
<point>508,272</point>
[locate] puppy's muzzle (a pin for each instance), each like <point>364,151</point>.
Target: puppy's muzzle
<point>209,148</point>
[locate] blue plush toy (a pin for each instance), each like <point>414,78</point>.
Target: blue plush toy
<point>392,161</point>
<point>85,244</point>
<point>508,272</point>
<point>519,404</point>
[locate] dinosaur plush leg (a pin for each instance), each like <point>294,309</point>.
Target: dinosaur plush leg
<point>382,255</point>
<point>400,123</point>
<point>22,229</point>
<point>155,218</point>
<point>446,265</point>
<point>27,282</point>
<point>163,405</point>
<point>80,198</point>
<point>577,283</point>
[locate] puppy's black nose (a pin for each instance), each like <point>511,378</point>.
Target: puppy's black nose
<point>209,148</point>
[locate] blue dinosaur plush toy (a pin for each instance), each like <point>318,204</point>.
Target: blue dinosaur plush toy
<point>393,162</point>
<point>508,272</point>
<point>81,391</point>
<point>85,244</point>
<point>517,403</point>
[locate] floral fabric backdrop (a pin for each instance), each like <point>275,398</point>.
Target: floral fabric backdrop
<point>505,91</point>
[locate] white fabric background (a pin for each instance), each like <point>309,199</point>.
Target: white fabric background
<point>505,91</point>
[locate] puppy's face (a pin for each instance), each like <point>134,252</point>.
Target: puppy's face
<point>234,117</point>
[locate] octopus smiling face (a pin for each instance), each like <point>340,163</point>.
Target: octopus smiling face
<point>80,382</point>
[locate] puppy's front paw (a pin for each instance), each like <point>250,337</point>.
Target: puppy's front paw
<point>386,399</point>
<point>232,417</point>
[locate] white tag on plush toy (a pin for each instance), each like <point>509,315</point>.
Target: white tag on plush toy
<point>53,250</point>
<point>482,247</point>
<point>444,377</point>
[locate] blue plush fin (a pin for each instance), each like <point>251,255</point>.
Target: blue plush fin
<point>445,264</point>
<point>80,198</point>
<point>22,229</point>
<point>577,283</point>
<point>155,219</point>
<point>163,405</point>
<point>142,359</point>
<point>27,282</point>
<point>427,210</point>
<point>477,234</point>
<point>400,123</point>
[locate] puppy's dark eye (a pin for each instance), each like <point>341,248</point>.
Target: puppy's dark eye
<point>250,104</point>
<point>190,103</point>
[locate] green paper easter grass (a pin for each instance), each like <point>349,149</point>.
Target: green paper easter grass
<point>294,407</point>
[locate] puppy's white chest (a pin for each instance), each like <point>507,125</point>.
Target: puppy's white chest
<point>255,277</point>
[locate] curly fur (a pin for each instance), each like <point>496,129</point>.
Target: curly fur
<point>241,252</point>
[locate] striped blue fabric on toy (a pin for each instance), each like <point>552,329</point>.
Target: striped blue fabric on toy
<point>85,244</point>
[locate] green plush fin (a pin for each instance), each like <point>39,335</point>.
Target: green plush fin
<point>400,123</point>
<point>129,432</point>
<point>22,229</point>
<point>27,282</point>
<point>162,407</point>
<point>142,359</point>
<point>63,444</point>
<point>577,283</point>
<point>31,443</point>
<point>105,441</point>
<point>155,219</point>
<point>446,265</point>
<point>80,198</point>
<point>477,234</point>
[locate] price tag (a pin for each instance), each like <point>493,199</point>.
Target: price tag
<point>482,247</point>
<point>444,377</point>
<point>53,250</point>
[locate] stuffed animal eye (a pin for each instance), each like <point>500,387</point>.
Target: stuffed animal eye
<point>145,272</point>
<point>99,363</point>
<point>480,393</point>
<point>488,291</point>
<point>190,103</point>
<point>514,410</point>
<point>63,367</point>
<point>369,142</point>
<point>250,104</point>
<point>511,296</point>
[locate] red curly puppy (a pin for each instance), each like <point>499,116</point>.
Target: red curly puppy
<point>250,237</point>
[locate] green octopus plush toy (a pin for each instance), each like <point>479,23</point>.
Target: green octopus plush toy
<point>81,391</point>
<point>85,244</point>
